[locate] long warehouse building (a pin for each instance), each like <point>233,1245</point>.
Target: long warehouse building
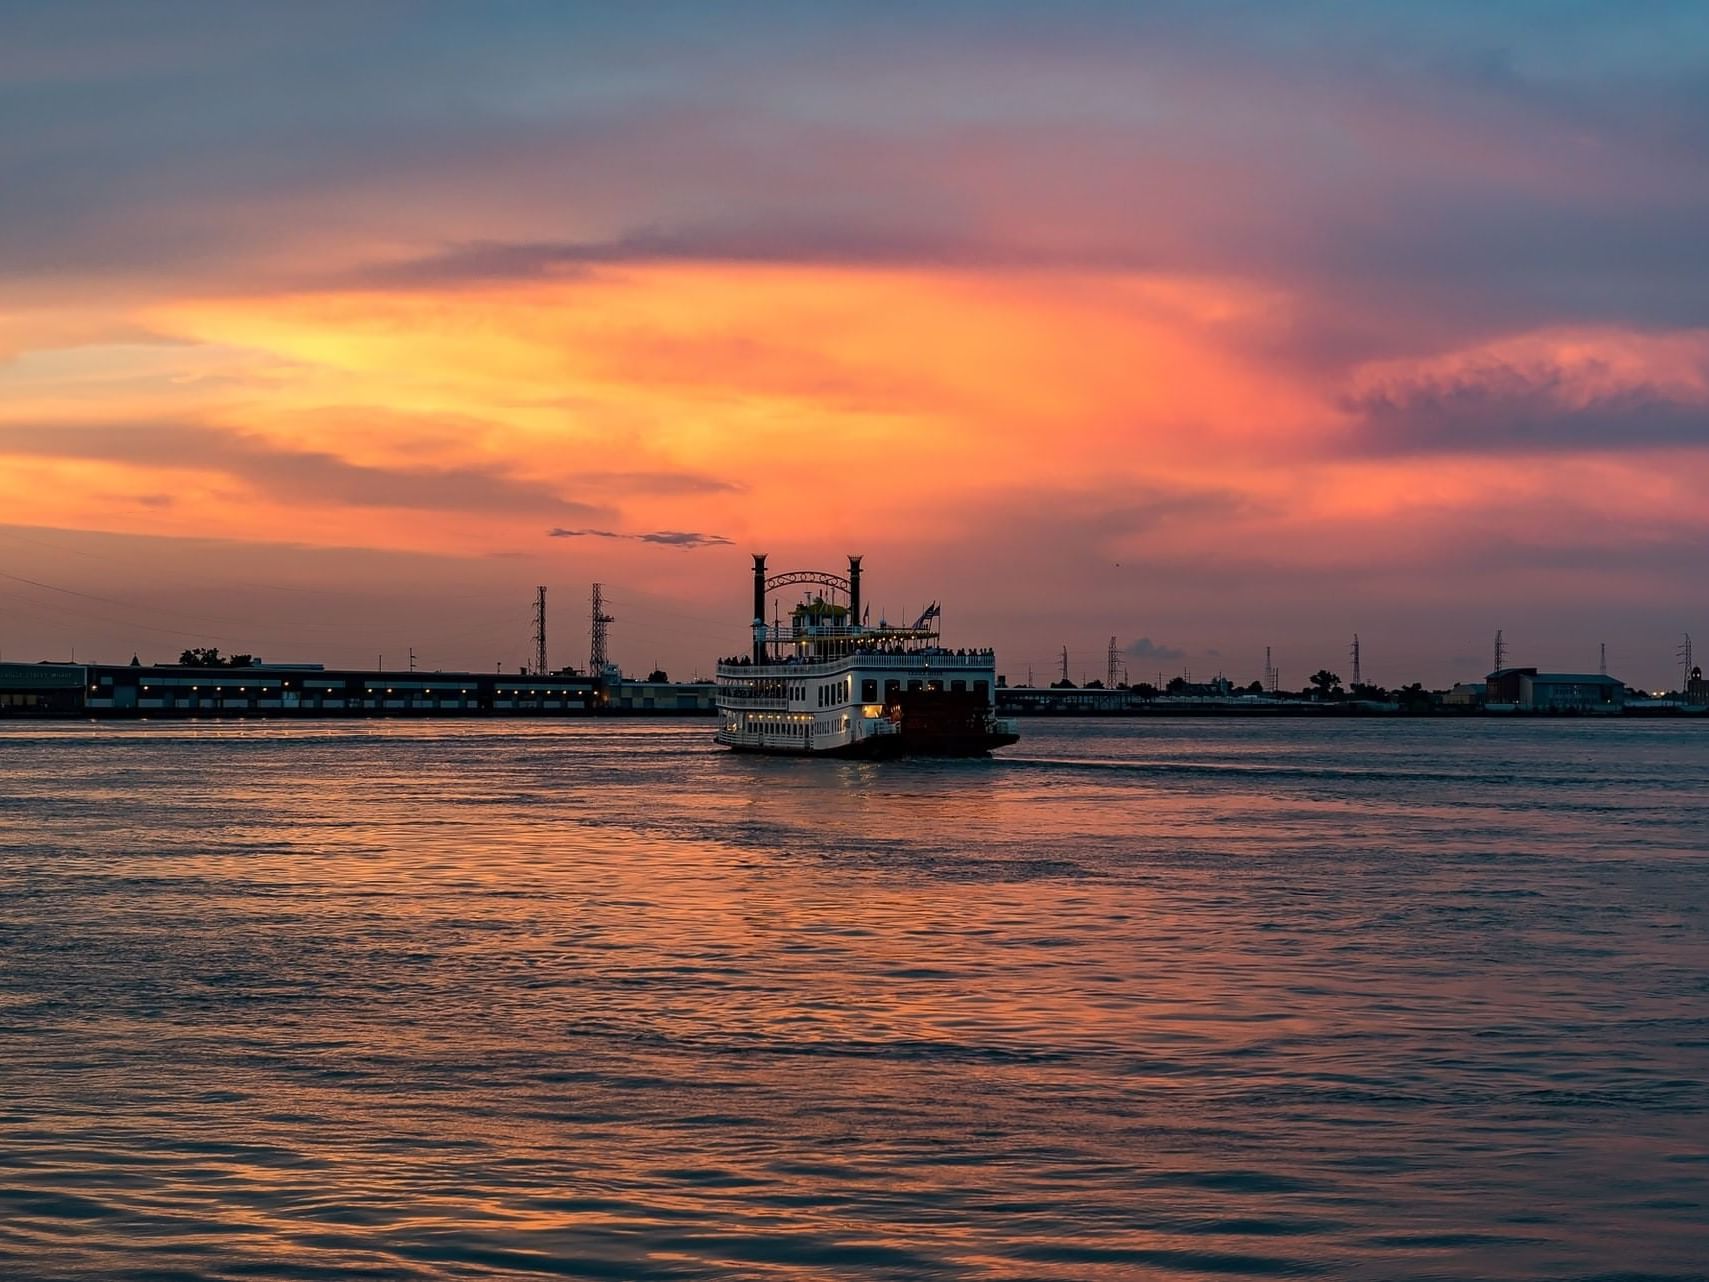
<point>283,690</point>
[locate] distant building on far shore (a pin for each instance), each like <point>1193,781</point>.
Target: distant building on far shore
<point>620,694</point>
<point>1466,694</point>
<point>1529,690</point>
<point>1697,689</point>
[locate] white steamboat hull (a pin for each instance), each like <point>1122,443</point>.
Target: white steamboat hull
<point>863,705</point>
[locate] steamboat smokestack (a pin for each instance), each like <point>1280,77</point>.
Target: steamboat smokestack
<point>759,607</point>
<point>854,591</point>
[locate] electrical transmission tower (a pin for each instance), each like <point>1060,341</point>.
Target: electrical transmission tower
<point>1065,665</point>
<point>540,632</point>
<point>596,656</point>
<point>1272,677</point>
<point>1684,653</point>
<point>1114,666</point>
<point>1358,676</point>
<point>1500,652</point>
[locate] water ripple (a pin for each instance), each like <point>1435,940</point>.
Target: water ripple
<point>1409,1001</point>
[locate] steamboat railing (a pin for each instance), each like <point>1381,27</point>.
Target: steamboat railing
<point>789,669</point>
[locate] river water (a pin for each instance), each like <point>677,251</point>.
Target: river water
<point>1183,999</point>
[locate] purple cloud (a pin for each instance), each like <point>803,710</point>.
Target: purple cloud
<point>1503,409</point>
<point>1146,648</point>
<point>666,538</point>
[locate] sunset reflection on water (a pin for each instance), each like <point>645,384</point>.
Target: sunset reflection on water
<point>595,999</point>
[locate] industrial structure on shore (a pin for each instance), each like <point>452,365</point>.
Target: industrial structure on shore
<point>173,690</point>
<point>1528,690</point>
<point>204,685</point>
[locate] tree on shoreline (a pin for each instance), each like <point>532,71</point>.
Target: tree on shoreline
<point>210,657</point>
<point>1414,698</point>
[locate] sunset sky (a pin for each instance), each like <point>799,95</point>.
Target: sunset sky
<point>330,330</point>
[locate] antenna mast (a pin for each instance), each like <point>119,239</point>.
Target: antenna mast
<point>1358,677</point>
<point>1603,669</point>
<point>597,660</point>
<point>539,633</point>
<point>1114,665</point>
<point>1065,665</point>
<point>1684,653</point>
<point>1500,651</point>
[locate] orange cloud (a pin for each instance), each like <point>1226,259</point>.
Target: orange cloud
<point>794,382</point>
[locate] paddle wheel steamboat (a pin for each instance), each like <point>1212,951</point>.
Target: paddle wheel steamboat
<point>827,682</point>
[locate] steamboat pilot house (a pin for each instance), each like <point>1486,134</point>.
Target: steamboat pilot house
<point>827,683</point>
